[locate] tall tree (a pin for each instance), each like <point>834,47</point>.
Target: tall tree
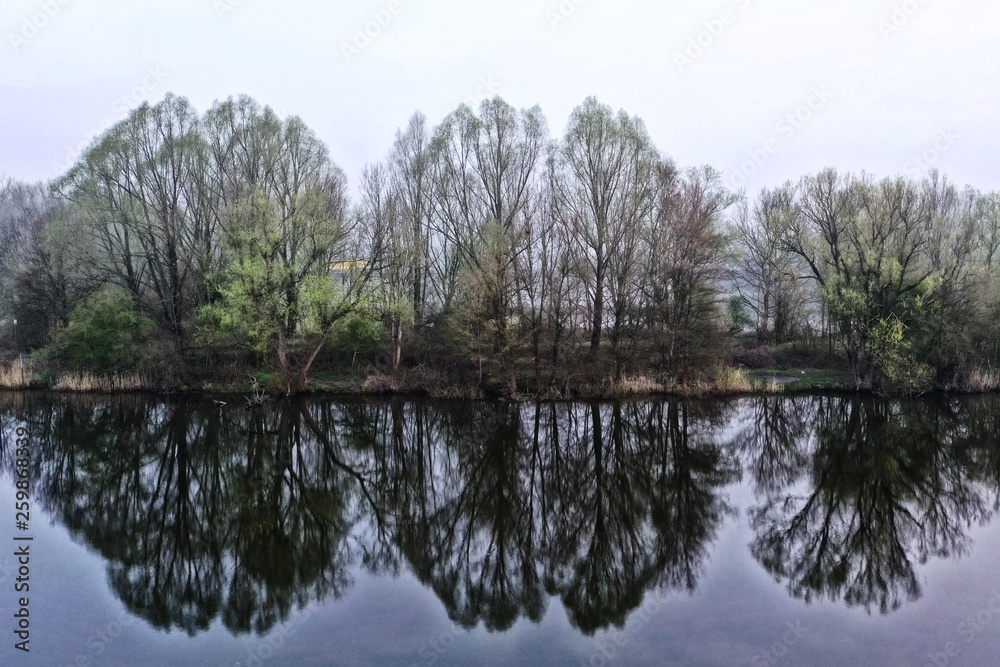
<point>486,169</point>
<point>410,162</point>
<point>766,273</point>
<point>689,250</point>
<point>133,185</point>
<point>866,242</point>
<point>605,192</point>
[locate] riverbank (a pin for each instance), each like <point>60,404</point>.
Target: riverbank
<point>370,381</point>
<point>720,381</point>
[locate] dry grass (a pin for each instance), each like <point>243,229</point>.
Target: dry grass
<point>774,387</point>
<point>89,383</point>
<point>638,385</point>
<point>19,375</point>
<point>980,380</point>
<point>448,392</point>
<point>733,381</point>
<point>380,384</point>
<point>737,381</point>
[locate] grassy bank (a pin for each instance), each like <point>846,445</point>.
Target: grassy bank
<point>22,374</point>
<point>720,380</point>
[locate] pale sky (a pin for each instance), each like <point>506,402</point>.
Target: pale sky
<point>883,86</point>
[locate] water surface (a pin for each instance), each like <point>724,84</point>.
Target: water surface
<point>774,530</point>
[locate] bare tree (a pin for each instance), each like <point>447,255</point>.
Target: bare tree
<point>605,193</point>
<point>410,162</point>
<point>689,250</point>
<point>485,175</point>
<point>766,275</point>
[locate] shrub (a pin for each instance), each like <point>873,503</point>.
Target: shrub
<point>359,334</point>
<point>106,335</point>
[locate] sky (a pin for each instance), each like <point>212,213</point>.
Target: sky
<point>762,90</point>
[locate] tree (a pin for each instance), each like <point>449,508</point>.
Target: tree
<point>271,293</point>
<point>44,257</point>
<point>382,202</point>
<point>412,174</point>
<point>605,191</point>
<point>766,273</point>
<point>134,187</point>
<point>689,250</point>
<point>865,243</point>
<point>485,175</point>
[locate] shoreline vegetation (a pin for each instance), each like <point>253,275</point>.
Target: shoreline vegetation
<point>222,252</point>
<point>722,382</point>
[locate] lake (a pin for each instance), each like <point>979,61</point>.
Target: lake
<point>780,530</point>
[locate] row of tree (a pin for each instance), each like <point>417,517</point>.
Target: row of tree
<point>903,271</point>
<point>484,243</point>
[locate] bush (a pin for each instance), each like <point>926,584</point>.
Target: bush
<point>898,368</point>
<point>758,357</point>
<point>106,335</point>
<point>359,334</point>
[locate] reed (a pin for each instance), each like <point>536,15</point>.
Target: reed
<point>81,382</point>
<point>19,375</point>
<point>635,385</point>
<point>733,381</point>
<point>981,380</point>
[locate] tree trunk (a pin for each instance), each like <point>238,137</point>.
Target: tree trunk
<point>595,337</point>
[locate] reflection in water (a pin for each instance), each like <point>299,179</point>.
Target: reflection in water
<point>205,512</point>
<point>855,490</point>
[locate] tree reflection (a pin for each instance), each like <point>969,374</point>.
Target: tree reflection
<point>886,489</point>
<point>199,511</point>
<point>208,512</point>
<point>641,488</point>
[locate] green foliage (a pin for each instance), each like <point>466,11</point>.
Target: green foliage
<point>360,333</point>
<point>739,314</point>
<point>260,292</point>
<point>400,312</point>
<point>898,369</point>
<point>106,334</point>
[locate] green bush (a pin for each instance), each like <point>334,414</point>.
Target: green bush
<point>739,314</point>
<point>899,369</point>
<point>359,334</point>
<point>106,334</point>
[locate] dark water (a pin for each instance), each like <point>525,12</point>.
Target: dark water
<point>791,530</point>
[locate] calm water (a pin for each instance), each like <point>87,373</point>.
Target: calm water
<point>763,531</point>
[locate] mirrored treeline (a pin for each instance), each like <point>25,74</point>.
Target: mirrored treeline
<point>205,511</point>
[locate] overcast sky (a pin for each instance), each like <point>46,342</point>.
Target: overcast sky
<point>762,90</point>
